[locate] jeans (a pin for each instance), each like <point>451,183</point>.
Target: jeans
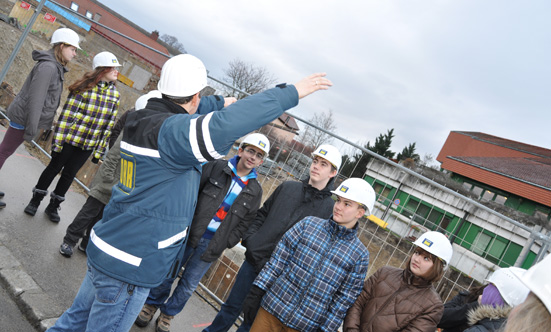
<point>102,304</point>
<point>90,213</point>
<point>233,306</point>
<point>70,159</point>
<point>194,269</point>
<point>12,139</point>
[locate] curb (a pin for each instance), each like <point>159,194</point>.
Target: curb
<point>33,302</point>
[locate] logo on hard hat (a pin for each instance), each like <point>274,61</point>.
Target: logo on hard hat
<point>427,242</point>
<point>323,152</point>
<point>344,189</point>
<point>114,60</point>
<point>262,144</point>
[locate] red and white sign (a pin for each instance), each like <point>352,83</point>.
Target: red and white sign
<point>49,17</point>
<point>25,5</point>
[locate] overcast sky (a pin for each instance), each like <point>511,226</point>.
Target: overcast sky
<point>422,67</point>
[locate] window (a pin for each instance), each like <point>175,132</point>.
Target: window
<point>488,195</point>
<point>543,212</point>
<point>74,6</point>
<point>382,192</point>
<point>500,199</point>
<point>410,208</point>
<point>97,17</point>
<point>467,185</point>
<point>445,222</point>
<point>477,191</point>
<point>491,247</point>
<point>434,218</point>
<point>89,14</point>
<point>481,243</point>
<point>421,213</point>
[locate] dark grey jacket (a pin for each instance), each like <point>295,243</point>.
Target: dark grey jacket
<point>215,183</point>
<point>108,174</point>
<point>291,202</point>
<point>35,105</point>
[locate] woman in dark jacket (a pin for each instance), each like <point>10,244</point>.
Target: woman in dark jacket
<point>455,311</point>
<point>503,292</point>
<point>404,299</point>
<point>35,105</point>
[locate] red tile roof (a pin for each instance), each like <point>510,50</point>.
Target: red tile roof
<point>289,121</point>
<point>532,149</point>
<point>529,170</point>
<point>515,167</point>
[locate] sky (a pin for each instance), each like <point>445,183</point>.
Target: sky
<point>422,67</point>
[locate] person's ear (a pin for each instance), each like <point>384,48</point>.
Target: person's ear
<point>196,99</point>
<point>360,213</point>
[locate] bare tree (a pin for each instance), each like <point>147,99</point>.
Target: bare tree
<point>173,42</point>
<point>246,77</point>
<point>314,137</point>
<point>428,161</point>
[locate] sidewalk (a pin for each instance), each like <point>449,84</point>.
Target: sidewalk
<point>39,280</point>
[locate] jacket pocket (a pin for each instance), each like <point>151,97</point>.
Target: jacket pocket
<point>212,189</point>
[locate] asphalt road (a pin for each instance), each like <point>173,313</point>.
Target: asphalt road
<point>34,242</point>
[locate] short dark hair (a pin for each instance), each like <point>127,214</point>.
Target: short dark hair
<point>178,100</point>
<point>436,272</point>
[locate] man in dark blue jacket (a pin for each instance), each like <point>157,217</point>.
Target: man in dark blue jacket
<point>142,235</point>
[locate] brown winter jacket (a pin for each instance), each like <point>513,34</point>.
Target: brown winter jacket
<point>395,300</point>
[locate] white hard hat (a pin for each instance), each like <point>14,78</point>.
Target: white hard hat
<point>105,59</point>
<point>258,140</point>
<point>329,153</point>
<point>437,244</point>
<point>509,286</point>
<point>359,191</point>
<point>141,102</point>
<point>182,76</point>
<point>538,281</point>
<point>66,36</point>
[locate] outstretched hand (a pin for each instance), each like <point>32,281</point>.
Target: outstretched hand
<point>312,84</point>
<point>229,100</point>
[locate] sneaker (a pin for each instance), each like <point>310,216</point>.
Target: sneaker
<point>81,247</point>
<point>66,249</point>
<point>146,315</point>
<point>163,323</point>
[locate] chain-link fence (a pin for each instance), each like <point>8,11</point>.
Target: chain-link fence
<point>410,201</point>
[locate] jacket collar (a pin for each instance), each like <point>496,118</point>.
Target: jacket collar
<point>488,312</point>
<point>232,165</point>
<point>340,231</point>
<point>163,105</point>
<point>412,279</point>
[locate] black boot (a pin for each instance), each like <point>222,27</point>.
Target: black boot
<point>38,195</point>
<point>2,205</point>
<point>51,209</point>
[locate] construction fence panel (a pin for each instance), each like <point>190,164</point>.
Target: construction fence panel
<point>411,199</point>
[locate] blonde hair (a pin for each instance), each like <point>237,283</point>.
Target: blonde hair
<point>530,316</point>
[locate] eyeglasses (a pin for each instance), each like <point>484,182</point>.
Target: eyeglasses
<point>252,152</point>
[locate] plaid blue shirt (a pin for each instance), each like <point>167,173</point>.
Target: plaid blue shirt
<point>314,275</point>
<point>87,119</point>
